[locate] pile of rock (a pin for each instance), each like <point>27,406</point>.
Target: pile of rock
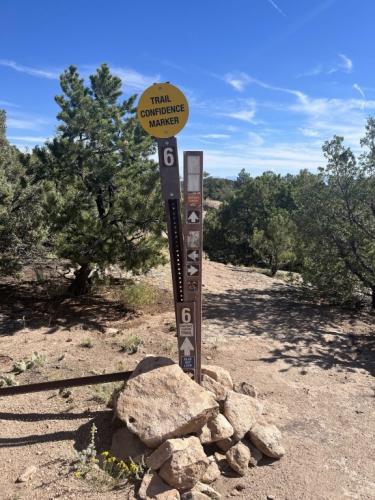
<point>170,420</point>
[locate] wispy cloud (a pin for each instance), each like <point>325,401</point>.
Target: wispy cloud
<point>134,80</point>
<point>308,132</point>
<point>7,104</point>
<point>29,70</point>
<point>216,136</point>
<point>359,89</point>
<point>346,63</point>
<point>28,138</point>
<point>246,113</point>
<point>276,7</point>
<point>238,82</point>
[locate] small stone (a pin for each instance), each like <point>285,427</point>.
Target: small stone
<point>245,388</point>
<point>216,429</point>
<point>225,444</point>
<point>242,412</point>
<point>220,392</point>
<point>26,474</point>
<point>267,438</point>
<point>111,331</point>
<point>125,444</point>
<point>165,451</point>
<point>238,458</point>
<point>201,492</point>
<point>219,374</point>
<point>212,472</point>
<point>185,467</point>
<point>153,487</point>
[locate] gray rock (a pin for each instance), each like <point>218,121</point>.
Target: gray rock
<point>220,392</point>
<point>267,438</point>
<point>160,401</point>
<point>242,412</point>
<point>185,467</point>
<point>219,374</point>
<point>201,492</point>
<point>238,458</point>
<point>166,450</point>
<point>212,472</point>
<point>245,388</point>
<point>153,487</point>
<point>216,429</point>
<point>26,474</point>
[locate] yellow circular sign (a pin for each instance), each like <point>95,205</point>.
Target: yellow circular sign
<point>162,110</point>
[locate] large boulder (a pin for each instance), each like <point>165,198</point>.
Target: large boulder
<point>186,466</point>
<point>238,458</point>
<point>267,438</point>
<point>242,412</point>
<point>216,429</point>
<point>219,374</point>
<point>126,445</point>
<point>160,401</point>
<point>152,487</point>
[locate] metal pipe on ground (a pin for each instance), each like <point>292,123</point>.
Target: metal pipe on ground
<point>61,384</point>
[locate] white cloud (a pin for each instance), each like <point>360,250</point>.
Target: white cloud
<point>241,109</point>
<point>238,82</point>
<point>134,80</point>
<point>28,138</point>
<point>359,89</point>
<point>276,7</point>
<point>41,73</point>
<point>308,132</point>
<point>346,63</point>
<point>280,158</point>
<point>216,136</point>
<point>8,104</point>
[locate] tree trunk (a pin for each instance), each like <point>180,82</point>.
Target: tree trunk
<point>373,297</point>
<point>82,282</point>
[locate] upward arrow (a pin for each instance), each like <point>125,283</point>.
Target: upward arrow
<point>187,347</point>
<point>193,217</point>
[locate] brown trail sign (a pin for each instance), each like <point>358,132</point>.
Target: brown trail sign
<point>163,111</point>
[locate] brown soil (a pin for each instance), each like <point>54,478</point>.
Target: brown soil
<point>313,366</point>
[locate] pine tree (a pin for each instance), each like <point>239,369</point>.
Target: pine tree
<point>101,186</point>
<point>22,230</point>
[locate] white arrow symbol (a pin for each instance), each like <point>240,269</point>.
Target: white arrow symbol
<point>192,270</point>
<point>193,255</point>
<point>193,217</point>
<point>187,347</point>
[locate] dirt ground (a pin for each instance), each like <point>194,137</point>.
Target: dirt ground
<point>313,366</point>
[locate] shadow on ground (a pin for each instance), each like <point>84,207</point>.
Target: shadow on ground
<point>309,334</point>
<point>29,305</point>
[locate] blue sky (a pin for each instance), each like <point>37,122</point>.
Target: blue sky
<point>268,81</point>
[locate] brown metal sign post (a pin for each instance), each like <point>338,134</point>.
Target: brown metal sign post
<point>163,111</point>
<point>193,244</point>
<point>185,311</point>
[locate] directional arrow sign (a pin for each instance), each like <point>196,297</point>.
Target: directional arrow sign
<point>193,217</point>
<point>187,347</point>
<point>193,256</point>
<point>192,270</point>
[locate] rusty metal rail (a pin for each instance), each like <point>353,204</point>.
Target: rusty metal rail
<point>61,384</point>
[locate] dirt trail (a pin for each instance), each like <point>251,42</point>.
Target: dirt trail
<point>313,367</point>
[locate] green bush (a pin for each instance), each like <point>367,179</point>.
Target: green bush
<point>138,295</point>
